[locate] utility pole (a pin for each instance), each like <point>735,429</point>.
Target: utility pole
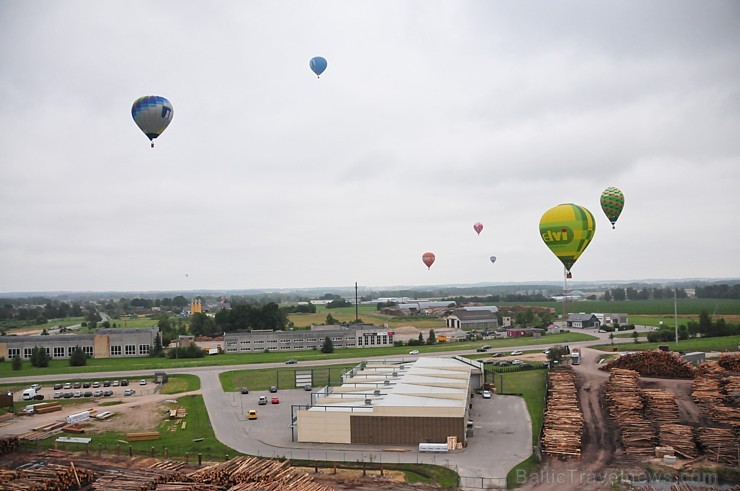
<point>675,314</point>
<point>357,315</point>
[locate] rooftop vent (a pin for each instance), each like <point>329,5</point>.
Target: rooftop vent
<point>395,374</point>
<point>386,382</point>
<point>368,402</point>
<point>376,392</point>
<point>402,367</point>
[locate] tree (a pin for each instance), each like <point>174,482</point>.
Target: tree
<point>556,354</point>
<point>432,339</point>
<point>78,358</point>
<point>157,349</point>
<point>421,338</point>
<point>619,294</point>
<point>331,321</point>
<point>39,357</point>
<point>44,332</point>
<point>328,346</point>
<point>611,337</point>
<point>17,363</point>
<point>635,335</point>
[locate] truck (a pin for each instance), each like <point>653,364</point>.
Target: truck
<point>575,356</point>
<point>28,394</point>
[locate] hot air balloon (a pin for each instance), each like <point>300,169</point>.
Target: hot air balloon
<point>318,65</point>
<point>152,114</point>
<point>477,226</point>
<point>567,230</point>
<point>493,259</point>
<point>428,259</point>
<point>612,202</point>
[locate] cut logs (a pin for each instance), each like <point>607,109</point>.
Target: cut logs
<point>626,408</point>
<point>666,364</point>
<point>730,361</point>
<point>680,437</point>
<point>563,422</point>
<point>721,445</point>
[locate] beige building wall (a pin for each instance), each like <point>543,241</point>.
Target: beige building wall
<point>4,350</point>
<point>101,347</point>
<point>420,411</point>
<point>324,427</point>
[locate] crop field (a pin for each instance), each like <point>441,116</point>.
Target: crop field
<point>686,306</point>
<point>367,313</point>
<point>724,343</point>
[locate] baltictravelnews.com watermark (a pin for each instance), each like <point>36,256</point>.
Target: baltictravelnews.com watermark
<point>573,476</point>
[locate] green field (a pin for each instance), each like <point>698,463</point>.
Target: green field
<point>283,378</point>
<point>724,343</point>
<point>367,313</point>
<point>177,384</point>
<point>686,306</point>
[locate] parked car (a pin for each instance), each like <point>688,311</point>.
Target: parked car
<point>262,401</point>
<point>124,383</point>
<point>106,383</point>
<point>486,394</point>
<point>129,392</point>
<point>245,390</point>
<point>142,382</point>
<point>87,393</point>
<point>58,395</point>
<point>98,393</point>
<point>502,363</point>
<point>57,386</point>
<point>68,385</point>
<point>68,395</point>
<point>516,353</point>
<point>307,387</point>
<point>96,384</point>
<point>497,354</point>
<point>273,388</point>
<point>291,362</point>
<point>414,352</point>
<point>116,383</point>
<point>77,385</point>
<point>85,385</point>
<point>77,393</point>
<point>252,414</point>
<point>516,362</point>
<point>525,366</point>
<point>107,393</point>
<point>38,397</point>
<point>275,400</point>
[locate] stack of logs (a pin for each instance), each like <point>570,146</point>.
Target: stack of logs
<point>680,437</point>
<point>730,361</point>
<point>720,445</point>
<point>636,432</point>
<point>662,410</point>
<point>251,473</point>
<point>46,477</point>
<point>563,422</point>
<point>124,478</point>
<point>654,364</point>
<point>717,392</point>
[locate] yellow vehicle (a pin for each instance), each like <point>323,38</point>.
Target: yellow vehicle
<point>252,414</point>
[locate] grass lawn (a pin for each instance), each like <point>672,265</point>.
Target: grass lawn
<point>368,314</point>
<point>283,378</point>
<point>724,343</point>
<point>62,368</point>
<point>177,384</point>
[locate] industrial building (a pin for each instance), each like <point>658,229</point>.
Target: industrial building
<point>393,403</point>
<point>352,336</point>
<point>483,317</point>
<point>105,343</point>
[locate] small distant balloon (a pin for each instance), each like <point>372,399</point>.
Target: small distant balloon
<point>152,114</point>
<point>186,275</point>
<point>318,65</point>
<point>612,202</point>
<point>493,259</point>
<point>428,259</point>
<point>478,227</point>
<point>567,230</point>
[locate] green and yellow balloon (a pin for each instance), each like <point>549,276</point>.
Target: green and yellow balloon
<point>567,230</point>
<point>612,202</point>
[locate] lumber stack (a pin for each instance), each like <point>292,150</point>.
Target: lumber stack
<point>680,437</point>
<point>48,477</point>
<point>660,406</point>
<point>563,422</point>
<point>721,445</point>
<point>142,435</point>
<point>731,389</point>
<point>626,408</point>
<point>9,444</point>
<point>251,473</point>
<point>666,364</point>
<point>705,391</point>
<point>730,361</point>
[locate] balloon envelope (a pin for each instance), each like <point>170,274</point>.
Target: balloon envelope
<point>612,202</point>
<point>428,259</point>
<point>152,114</point>
<point>318,65</point>
<point>567,230</point>
<point>478,227</point>
<point>493,259</point>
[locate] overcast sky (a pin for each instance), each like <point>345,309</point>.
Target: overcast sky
<point>431,115</point>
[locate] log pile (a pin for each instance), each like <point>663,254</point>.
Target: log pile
<point>47,477</point>
<point>717,393</point>
<point>680,437</point>
<point>660,406</point>
<point>251,473</point>
<point>636,432</point>
<point>666,364</point>
<point>9,444</point>
<point>730,361</point>
<point>721,445</point>
<point>563,422</point>
<point>731,389</point>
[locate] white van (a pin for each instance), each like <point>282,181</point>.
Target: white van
<point>28,394</point>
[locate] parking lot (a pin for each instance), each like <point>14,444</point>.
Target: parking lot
<point>81,389</point>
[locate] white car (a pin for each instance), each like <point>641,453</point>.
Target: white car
<point>516,362</point>
<point>142,382</point>
<point>486,394</point>
<point>414,352</point>
<point>516,353</point>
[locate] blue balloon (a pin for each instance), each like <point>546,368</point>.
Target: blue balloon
<point>152,114</point>
<point>318,65</point>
